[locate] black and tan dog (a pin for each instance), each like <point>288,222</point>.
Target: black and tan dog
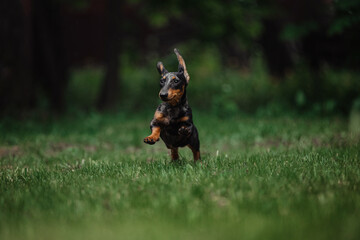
<point>173,117</point>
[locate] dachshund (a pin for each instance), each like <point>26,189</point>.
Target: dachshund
<point>172,120</point>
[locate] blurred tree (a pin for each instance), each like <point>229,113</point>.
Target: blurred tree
<point>322,32</point>
<point>230,25</point>
<point>50,63</point>
<point>16,80</point>
<point>110,86</point>
<point>32,54</point>
<point>42,39</point>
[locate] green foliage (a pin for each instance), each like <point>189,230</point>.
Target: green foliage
<point>92,177</point>
<point>297,31</point>
<point>354,118</point>
<point>347,16</point>
<point>224,91</point>
<point>356,104</point>
<point>212,20</point>
<point>84,87</point>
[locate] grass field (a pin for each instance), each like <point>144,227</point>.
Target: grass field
<point>260,178</point>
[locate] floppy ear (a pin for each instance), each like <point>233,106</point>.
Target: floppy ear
<point>161,69</point>
<point>182,67</point>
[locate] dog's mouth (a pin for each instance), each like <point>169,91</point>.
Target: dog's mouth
<point>166,99</point>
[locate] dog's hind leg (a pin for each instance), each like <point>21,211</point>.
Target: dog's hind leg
<point>174,154</point>
<point>196,152</point>
<point>194,144</point>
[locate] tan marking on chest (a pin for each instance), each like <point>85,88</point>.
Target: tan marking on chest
<point>183,119</point>
<point>159,116</point>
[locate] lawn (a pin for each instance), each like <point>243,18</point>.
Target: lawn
<point>92,177</point>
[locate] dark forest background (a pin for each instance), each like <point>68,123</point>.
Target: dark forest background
<point>242,55</point>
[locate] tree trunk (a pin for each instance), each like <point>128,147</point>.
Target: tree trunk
<point>276,53</point>
<point>110,86</point>
<point>16,82</point>
<point>50,65</point>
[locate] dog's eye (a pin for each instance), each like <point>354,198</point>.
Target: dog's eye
<point>176,80</point>
<point>162,80</point>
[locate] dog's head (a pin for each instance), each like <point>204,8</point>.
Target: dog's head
<point>173,84</point>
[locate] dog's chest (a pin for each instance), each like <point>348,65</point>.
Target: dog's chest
<point>173,114</point>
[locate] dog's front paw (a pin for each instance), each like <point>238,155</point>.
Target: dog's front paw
<point>150,140</point>
<point>185,131</point>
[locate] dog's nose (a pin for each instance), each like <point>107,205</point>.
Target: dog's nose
<point>163,96</point>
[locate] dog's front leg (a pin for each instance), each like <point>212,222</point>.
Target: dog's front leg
<point>155,135</point>
<point>159,120</point>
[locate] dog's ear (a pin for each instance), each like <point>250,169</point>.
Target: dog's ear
<point>161,69</point>
<point>182,67</point>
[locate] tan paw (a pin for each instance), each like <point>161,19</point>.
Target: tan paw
<point>150,140</point>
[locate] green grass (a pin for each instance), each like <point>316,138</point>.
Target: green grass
<point>260,178</point>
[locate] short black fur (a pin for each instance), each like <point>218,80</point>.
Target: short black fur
<point>173,117</point>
